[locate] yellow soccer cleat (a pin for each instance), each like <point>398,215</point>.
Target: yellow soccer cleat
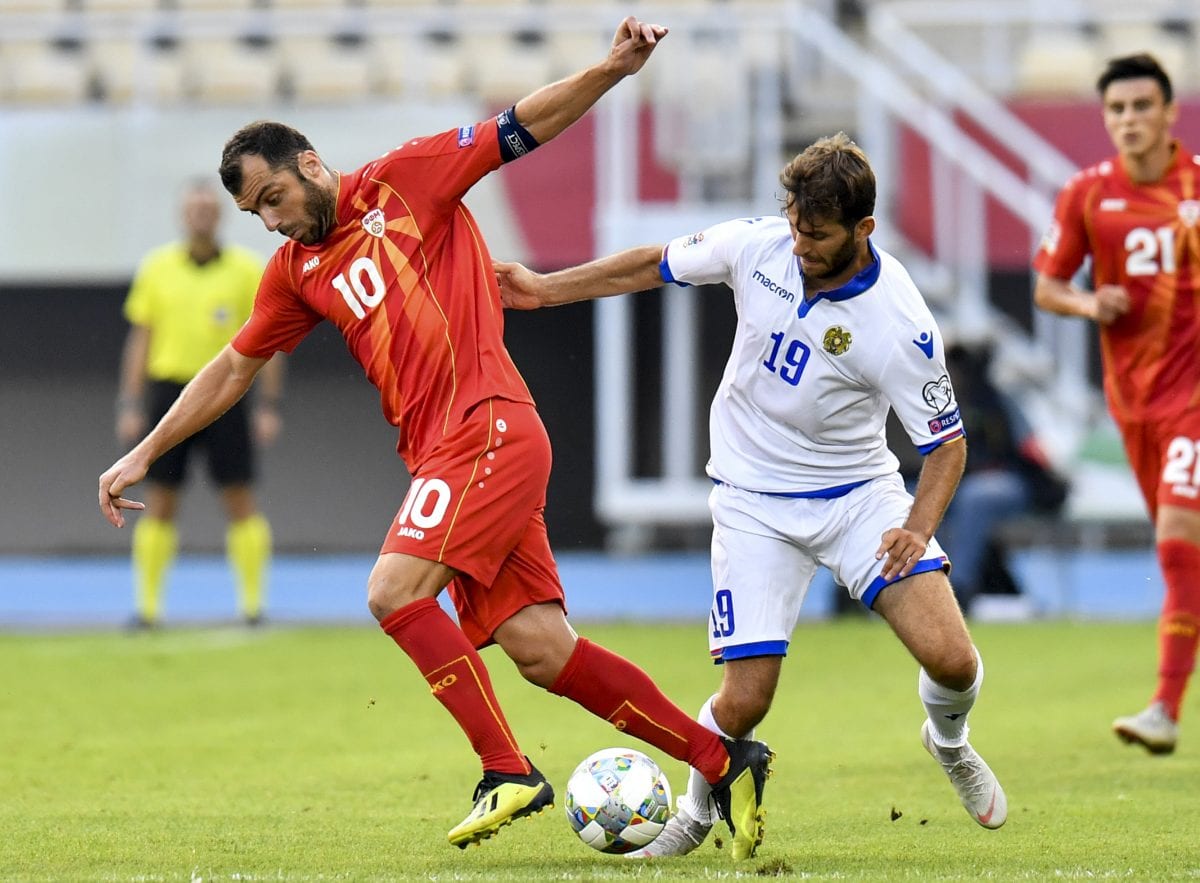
<point>501,798</point>
<point>739,794</point>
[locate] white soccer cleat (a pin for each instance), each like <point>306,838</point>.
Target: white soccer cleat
<point>973,779</point>
<point>679,836</point>
<point>1152,728</point>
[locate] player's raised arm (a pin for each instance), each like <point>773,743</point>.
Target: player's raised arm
<point>635,269</point>
<point>210,394</point>
<point>551,109</point>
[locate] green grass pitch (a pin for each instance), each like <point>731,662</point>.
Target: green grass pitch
<point>317,754</point>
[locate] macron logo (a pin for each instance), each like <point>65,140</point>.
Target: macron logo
<point>773,287</point>
<point>311,264</point>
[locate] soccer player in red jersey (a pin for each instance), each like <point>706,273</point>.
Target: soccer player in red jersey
<point>392,257</point>
<point>1138,216</point>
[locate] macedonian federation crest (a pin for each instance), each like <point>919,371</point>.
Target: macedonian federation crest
<point>1189,212</point>
<point>375,223</point>
<point>837,340</point>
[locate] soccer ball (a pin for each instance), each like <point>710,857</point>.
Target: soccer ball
<point>618,800</point>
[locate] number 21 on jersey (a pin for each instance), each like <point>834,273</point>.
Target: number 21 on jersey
<point>1150,251</point>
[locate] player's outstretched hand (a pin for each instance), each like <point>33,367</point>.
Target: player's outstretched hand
<point>633,43</point>
<point>122,474</point>
<point>900,551</point>
<point>519,286</point>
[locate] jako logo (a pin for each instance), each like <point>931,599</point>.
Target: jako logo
<point>311,264</point>
<point>773,288</point>
<point>414,532</point>
<point>444,683</point>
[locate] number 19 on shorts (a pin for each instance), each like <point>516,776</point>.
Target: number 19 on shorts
<point>721,616</point>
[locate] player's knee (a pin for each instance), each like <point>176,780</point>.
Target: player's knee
<point>739,712</point>
<point>384,598</point>
<point>540,665</point>
<point>538,641</point>
<point>953,667</point>
<point>538,661</point>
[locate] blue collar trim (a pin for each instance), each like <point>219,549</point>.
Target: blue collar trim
<point>858,283</point>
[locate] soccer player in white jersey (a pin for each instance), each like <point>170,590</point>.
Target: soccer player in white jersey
<point>831,333</point>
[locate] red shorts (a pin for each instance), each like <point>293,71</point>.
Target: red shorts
<point>1165,456</point>
<point>476,504</point>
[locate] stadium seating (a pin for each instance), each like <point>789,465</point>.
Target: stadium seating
<point>119,6</point>
<point>213,5</point>
<point>126,70</point>
<point>319,69</point>
<point>504,68</point>
<point>1057,61</point>
<point>525,40</point>
<point>41,72</point>
<point>418,66</point>
<point>223,70</point>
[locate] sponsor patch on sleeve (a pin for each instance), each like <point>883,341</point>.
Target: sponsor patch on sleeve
<point>466,136</point>
<point>942,422</point>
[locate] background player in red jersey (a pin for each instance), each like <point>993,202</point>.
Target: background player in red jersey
<point>1138,216</point>
<point>392,257</point>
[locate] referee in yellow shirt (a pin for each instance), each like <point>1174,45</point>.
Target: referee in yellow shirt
<point>187,301</point>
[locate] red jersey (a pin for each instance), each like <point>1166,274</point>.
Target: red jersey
<point>1145,238</point>
<point>406,277</point>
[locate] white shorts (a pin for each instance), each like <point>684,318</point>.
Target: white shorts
<point>766,550</point>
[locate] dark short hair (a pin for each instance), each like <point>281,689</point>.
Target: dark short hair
<point>278,144</point>
<point>1134,67</point>
<point>831,180</point>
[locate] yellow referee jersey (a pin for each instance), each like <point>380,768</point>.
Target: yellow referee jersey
<point>192,311</point>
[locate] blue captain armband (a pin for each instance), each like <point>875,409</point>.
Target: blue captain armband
<point>515,140</point>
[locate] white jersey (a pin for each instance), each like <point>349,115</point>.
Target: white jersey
<point>802,406</point>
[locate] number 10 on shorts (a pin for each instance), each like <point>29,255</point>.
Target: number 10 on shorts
<point>424,507</point>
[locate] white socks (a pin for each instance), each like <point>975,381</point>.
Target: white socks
<point>947,709</point>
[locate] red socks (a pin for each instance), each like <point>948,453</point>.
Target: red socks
<point>1179,625</point>
<point>615,689</point>
<point>458,679</point>
<point>605,684</point>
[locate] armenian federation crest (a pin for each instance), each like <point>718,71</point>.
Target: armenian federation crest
<point>837,340</point>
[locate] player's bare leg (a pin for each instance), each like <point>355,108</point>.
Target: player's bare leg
<point>924,614</point>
